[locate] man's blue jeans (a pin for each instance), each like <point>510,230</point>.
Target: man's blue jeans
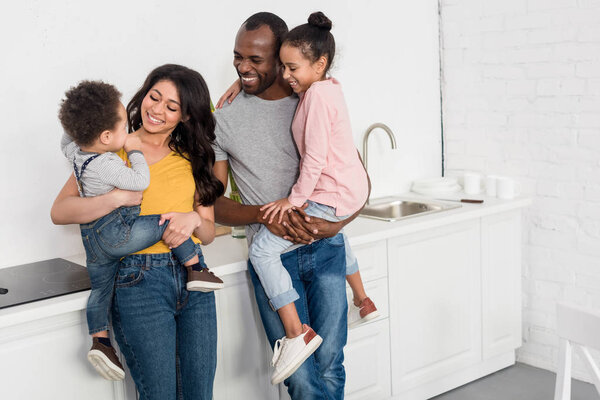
<point>318,273</point>
<point>107,240</point>
<point>167,334</point>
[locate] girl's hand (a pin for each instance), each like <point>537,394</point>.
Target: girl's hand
<point>276,207</point>
<point>125,198</point>
<point>181,226</point>
<point>230,94</point>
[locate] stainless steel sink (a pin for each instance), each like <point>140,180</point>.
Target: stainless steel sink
<point>397,208</point>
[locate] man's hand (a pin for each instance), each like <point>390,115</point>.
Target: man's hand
<point>317,228</point>
<point>294,233</point>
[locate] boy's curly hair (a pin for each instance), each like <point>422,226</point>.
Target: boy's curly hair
<point>89,109</point>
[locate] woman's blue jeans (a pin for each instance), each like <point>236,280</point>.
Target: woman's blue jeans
<point>167,334</point>
<point>108,239</point>
<point>318,273</point>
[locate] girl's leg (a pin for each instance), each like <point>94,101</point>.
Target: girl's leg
<point>290,320</point>
<point>265,254</point>
<point>358,290</point>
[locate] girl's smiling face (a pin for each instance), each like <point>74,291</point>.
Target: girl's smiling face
<point>161,108</point>
<point>298,70</point>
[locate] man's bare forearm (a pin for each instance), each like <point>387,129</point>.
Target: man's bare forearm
<point>232,213</point>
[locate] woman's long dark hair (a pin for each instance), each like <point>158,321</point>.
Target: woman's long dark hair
<point>193,137</point>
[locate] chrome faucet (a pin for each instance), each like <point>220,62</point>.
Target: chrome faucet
<point>366,138</point>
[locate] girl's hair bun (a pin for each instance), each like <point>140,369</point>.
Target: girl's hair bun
<point>319,20</point>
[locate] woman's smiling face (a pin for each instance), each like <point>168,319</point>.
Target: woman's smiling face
<point>161,108</point>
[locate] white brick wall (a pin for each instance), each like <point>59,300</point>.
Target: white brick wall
<point>521,97</point>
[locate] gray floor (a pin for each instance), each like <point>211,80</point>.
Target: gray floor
<point>519,382</point>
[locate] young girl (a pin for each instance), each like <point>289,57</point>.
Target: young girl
<point>332,181</point>
<point>95,124</point>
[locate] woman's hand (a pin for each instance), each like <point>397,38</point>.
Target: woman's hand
<point>125,198</point>
<point>181,226</point>
<point>276,207</point>
<point>230,94</point>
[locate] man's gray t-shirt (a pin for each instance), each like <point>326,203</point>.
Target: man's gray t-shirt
<point>255,137</point>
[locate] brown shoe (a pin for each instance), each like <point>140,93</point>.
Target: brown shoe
<point>203,281</point>
<point>105,361</point>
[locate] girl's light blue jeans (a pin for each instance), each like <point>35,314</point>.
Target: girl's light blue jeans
<point>265,255</point>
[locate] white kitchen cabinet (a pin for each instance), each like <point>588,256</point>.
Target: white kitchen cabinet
<point>242,349</point>
<point>435,307</point>
<point>46,359</point>
<point>447,285</point>
<point>501,280</point>
<point>367,362</point>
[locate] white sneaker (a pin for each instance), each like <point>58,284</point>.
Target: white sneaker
<point>358,315</point>
<point>289,354</point>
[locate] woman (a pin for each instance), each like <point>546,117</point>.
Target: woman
<point>167,334</point>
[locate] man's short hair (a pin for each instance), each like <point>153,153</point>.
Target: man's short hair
<point>275,23</point>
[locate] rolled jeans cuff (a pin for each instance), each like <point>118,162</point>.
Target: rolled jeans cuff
<point>284,298</point>
<point>352,268</point>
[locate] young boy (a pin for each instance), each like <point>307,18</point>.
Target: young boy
<point>95,124</point>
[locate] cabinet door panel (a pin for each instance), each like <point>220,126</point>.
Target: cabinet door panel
<point>501,280</point>
<point>372,260</point>
<point>46,359</point>
<point>367,362</point>
<point>244,356</point>
<point>435,311</point>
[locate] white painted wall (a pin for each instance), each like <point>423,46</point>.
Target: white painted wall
<point>388,63</point>
<point>521,97</point>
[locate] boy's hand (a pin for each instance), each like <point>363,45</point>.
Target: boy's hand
<point>133,142</point>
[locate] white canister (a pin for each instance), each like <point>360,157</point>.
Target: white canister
<point>507,188</point>
<point>490,185</point>
<point>472,182</point>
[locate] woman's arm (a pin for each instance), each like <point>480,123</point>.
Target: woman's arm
<point>69,208</point>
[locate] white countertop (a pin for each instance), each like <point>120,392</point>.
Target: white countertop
<point>227,255</point>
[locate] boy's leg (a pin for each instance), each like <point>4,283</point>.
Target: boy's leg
<point>199,277</point>
<point>102,278</point>
<point>102,355</point>
<point>126,232</point>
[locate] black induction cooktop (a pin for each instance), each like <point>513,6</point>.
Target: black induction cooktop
<point>41,280</point>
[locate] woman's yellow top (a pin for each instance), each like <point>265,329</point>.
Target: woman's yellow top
<point>171,189</point>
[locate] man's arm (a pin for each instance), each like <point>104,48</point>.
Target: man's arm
<point>232,213</point>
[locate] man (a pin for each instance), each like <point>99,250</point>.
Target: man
<point>254,138</point>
